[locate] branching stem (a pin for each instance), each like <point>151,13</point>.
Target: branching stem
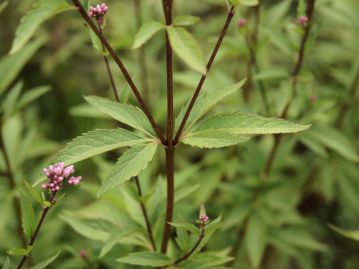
<point>123,69</point>
<point>230,15</point>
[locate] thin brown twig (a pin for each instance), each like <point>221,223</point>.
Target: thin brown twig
<point>123,69</point>
<point>193,249</point>
<point>37,229</point>
<point>170,149</point>
<point>145,215</point>
<point>230,15</point>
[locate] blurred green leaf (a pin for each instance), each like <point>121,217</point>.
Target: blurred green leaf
<point>33,192</point>
<point>19,251</point>
<point>31,95</point>
<point>12,98</point>
<point>255,240</point>
<point>11,65</point>
<point>249,2</point>
<point>187,48</point>
<point>152,259</point>
<point>352,234</point>
<point>6,264</point>
<point>43,264</point>
<point>27,214</point>
<point>42,10</point>
<point>3,6</point>
<point>146,32</point>
<point>185,20</point>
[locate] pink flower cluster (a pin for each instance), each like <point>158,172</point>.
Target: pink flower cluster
<point>56,174</point>
<point>98,12</point>
<point>302,20</point>
<point>242,22</point>
<point>203,219</point>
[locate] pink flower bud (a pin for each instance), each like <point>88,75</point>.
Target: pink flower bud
<point>302,20</point>
<point>242,22</point>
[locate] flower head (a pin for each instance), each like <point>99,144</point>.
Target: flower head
<point>56,175</point>
<point>302,20</point>
<point>98,12</point>
<point>83,253</point>
<point>203,220</point>
<point>242,22</point>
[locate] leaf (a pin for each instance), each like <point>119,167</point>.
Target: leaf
<point>185,20</point>
<point>11,65</point>
<point>6,264</point>
<point>212,139</point>
<point>116,238</point>
<point>187,48</point>
<point>146,258</point>
<point>186,226</point>
<point>127,114</point>
<point>249,3</point>
<point>43,264</point>
<point>19,251</point>
<point>334,140</point>
<point>11,98</point>
<point>352,234</point>
<point>42,10</point>
<point>27,214</point>
<point>146,32</point>
<point>32,95</point>
<point>205,101</point>
<point>96,142</point>
<point>84,229</point>
<point>255,240</point>
<point>248,124</point>
<point>3,6</point>
<point>130,164</point>
<point>35,195</point>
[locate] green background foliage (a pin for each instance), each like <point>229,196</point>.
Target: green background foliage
<point>56,104</point>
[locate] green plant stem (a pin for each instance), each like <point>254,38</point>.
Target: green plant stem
<point>123,69</point>
<point>230,15</point>
<point>37,230</point>
<point>277,138</point>
<point>145,214</point>
<point>170,149</point>
<point>194,248</point>
<point>12,184</point>
<point>142,58</point>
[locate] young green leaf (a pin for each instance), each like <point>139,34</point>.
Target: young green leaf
<point>42,10</point>
<point>187,48</point>
<point>352,234</point>
<point>146,258</point>
<point>19,251</point>
<point>31,95</point>
<point>212,139</point>
<point>249,2</point>
<point>12,98</point>
<point>3,6</point>
<point>248,124</point>
<point>146,32</point>
<point>34,193</point>
<point>185,20</point>
<point>334,140</point>
<point>255,240</point>
<point>43,264</point>
<point>130,164</point>
<point>11,65</point>
<point>96,142</point>
<point>127,114</point>
<point>27,214</point>
<point>205,101</point>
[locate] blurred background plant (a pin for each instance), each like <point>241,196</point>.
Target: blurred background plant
<point>313,180</point>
